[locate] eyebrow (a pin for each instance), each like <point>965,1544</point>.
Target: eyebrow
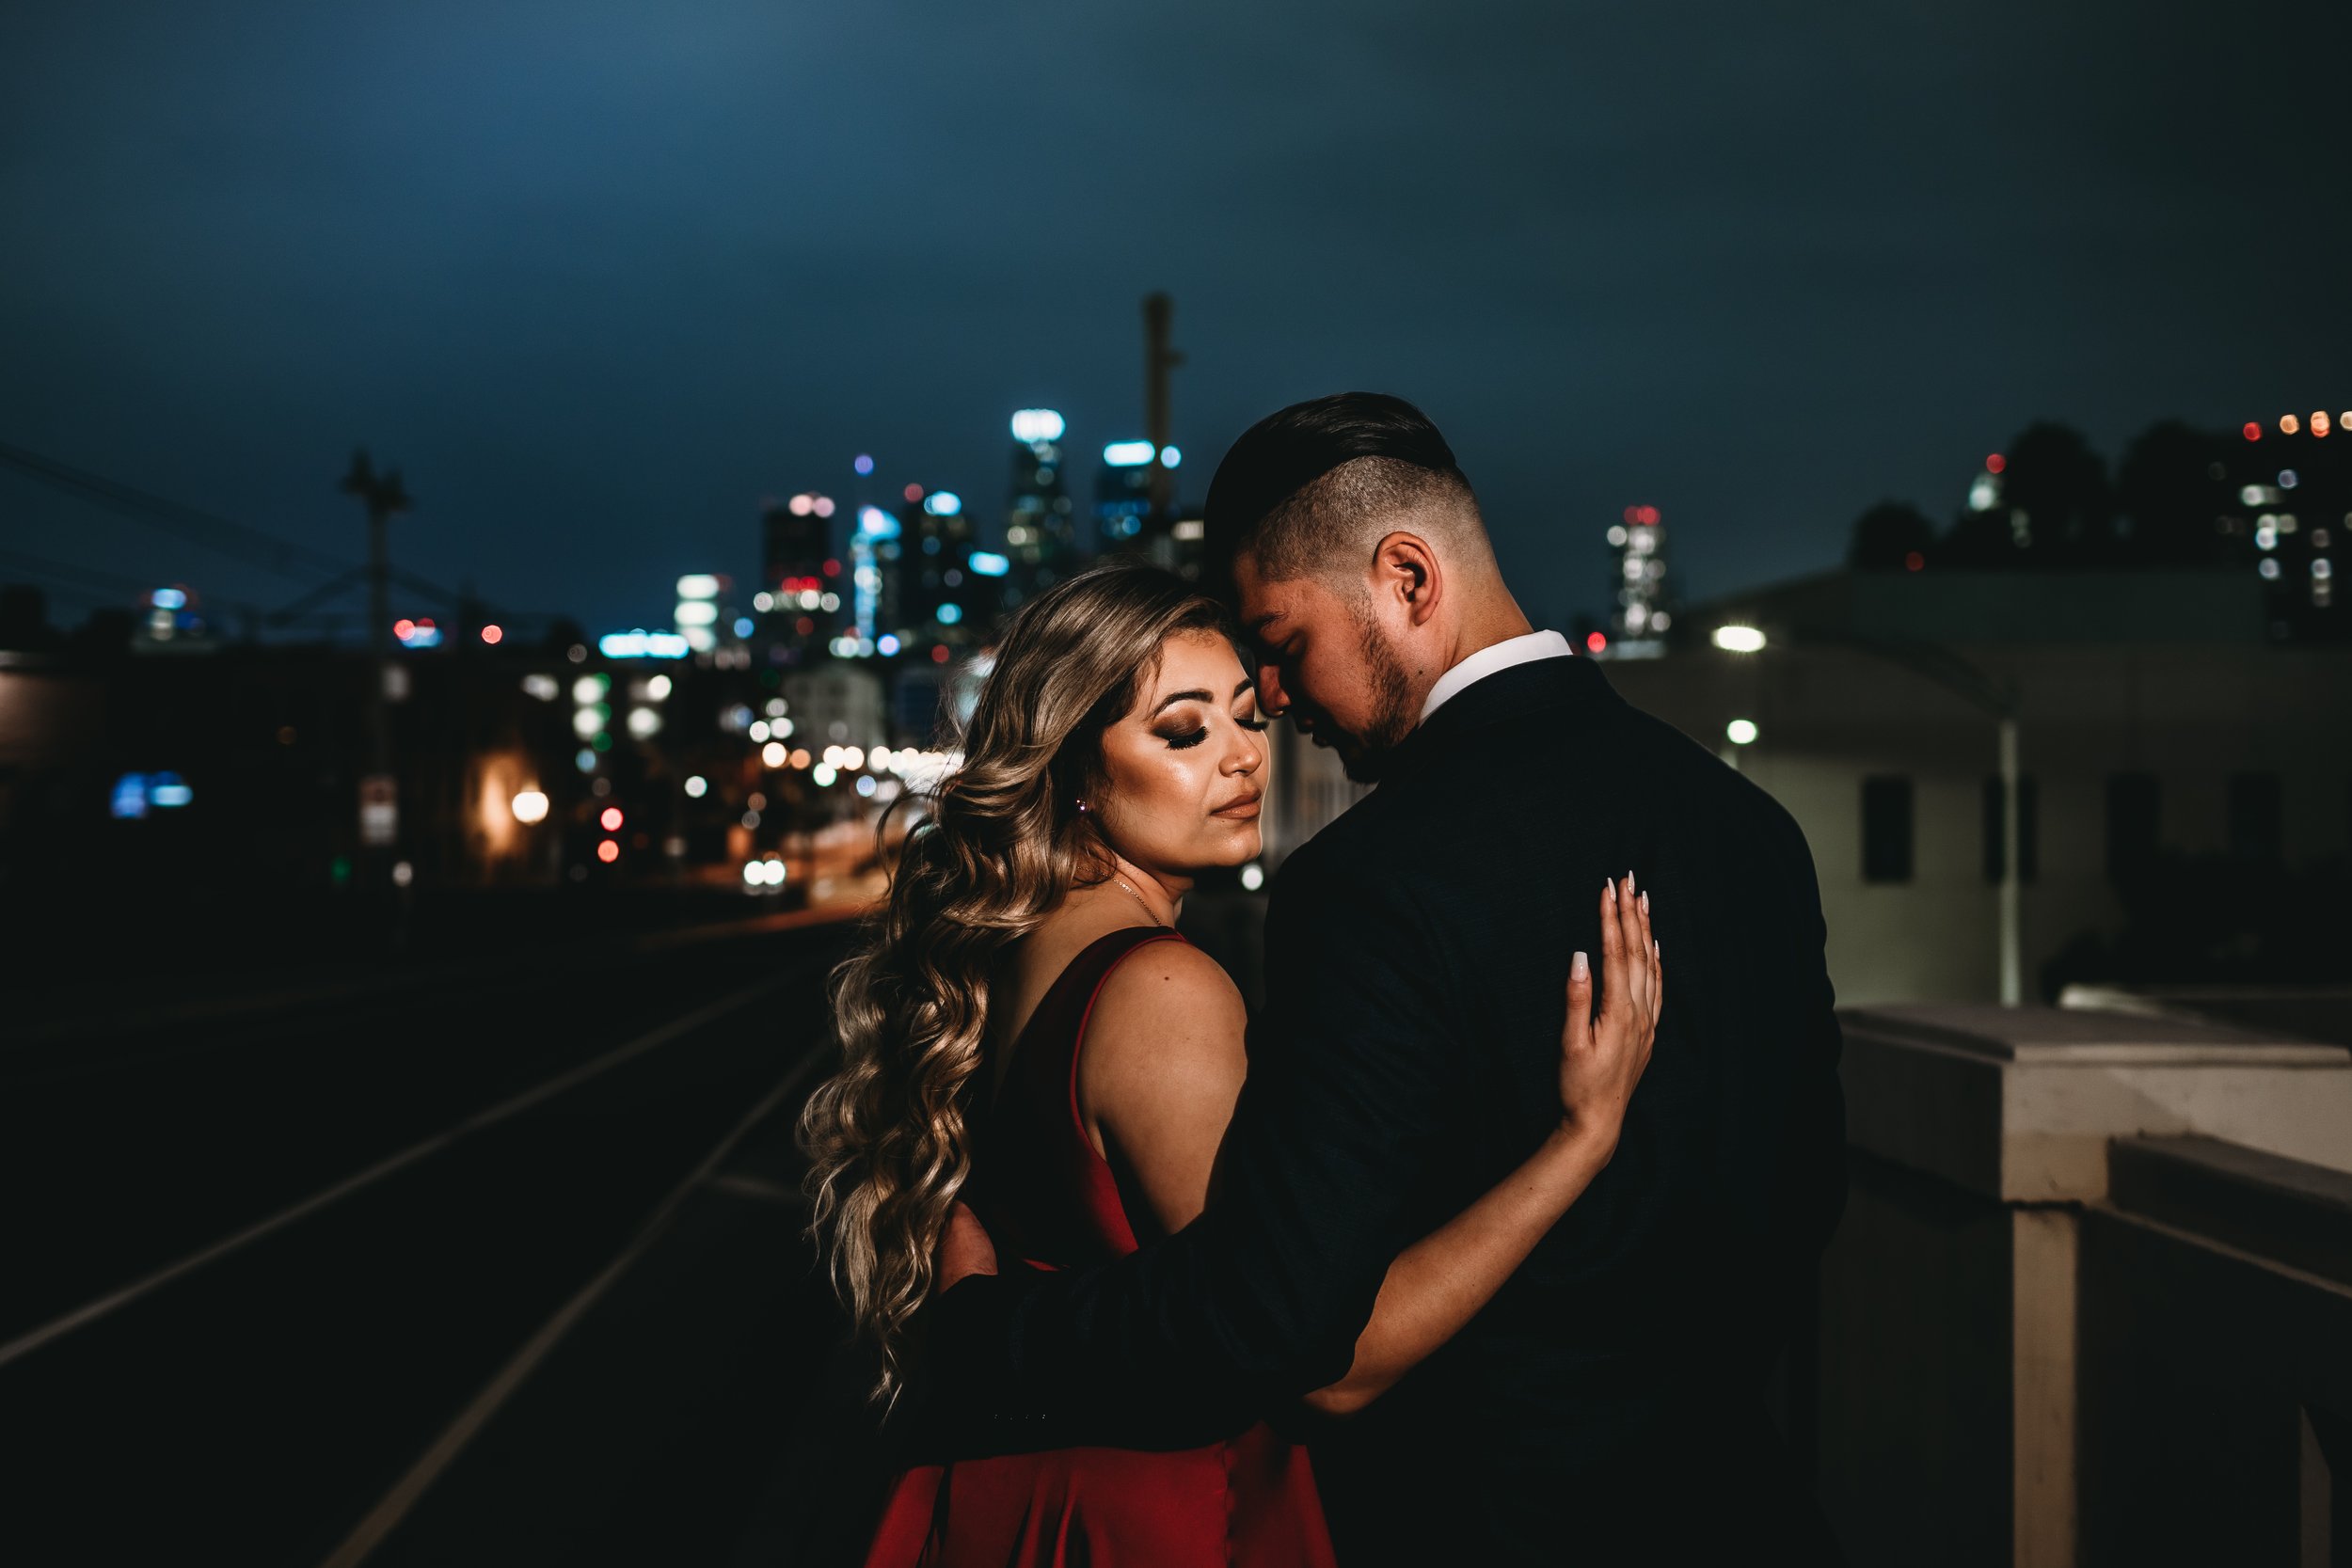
<point>1249,683</point>
<point>1258,627</point>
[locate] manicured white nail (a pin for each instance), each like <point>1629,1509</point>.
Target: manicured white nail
<point>1579,969</point>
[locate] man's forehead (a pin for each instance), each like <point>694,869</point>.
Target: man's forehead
<point>1266,604</point>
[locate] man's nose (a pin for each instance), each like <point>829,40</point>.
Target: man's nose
<point>1272,700</point>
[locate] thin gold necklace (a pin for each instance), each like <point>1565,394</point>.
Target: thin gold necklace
<point>1138,898</point>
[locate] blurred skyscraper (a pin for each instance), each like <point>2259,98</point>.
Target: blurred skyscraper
<point>943,605</point>
<point>1041,532</point>
<point>876,591</point>
<point>800,576</point>
<point>1124,516</point>
<point>2291,486</point>
<point>1122,496</point>
<point>1645,610</point>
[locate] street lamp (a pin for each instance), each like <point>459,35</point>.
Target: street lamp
<point>1739,639</point>
<point>1982,692</point>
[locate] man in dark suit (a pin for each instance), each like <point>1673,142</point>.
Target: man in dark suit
<point>1609,1403</point>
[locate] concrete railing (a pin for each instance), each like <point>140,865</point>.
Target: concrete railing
<point>2091,1301</point>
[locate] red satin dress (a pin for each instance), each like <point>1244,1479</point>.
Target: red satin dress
<point>1050,1202</point>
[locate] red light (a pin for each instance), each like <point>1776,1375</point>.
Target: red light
<point>1632,513</point>
<point>1646,515</point>
<point>833,568</point>
<point>805,625</point>
<point>492,634</point>
<point>1595,642</point>
<point>404,628</point>
<point>607,851</point>
<point>611,820</point>
<point>1914,562</point>
<point>939,653</point>
<point>2253,431</point>
<point>912,492</point>
<point>1995,463</point>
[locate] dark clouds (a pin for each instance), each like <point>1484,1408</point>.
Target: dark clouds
<point>600,277</point>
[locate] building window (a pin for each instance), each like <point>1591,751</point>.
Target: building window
<point>1886,829</point>
<point>2028,831</point>
<point>2134,826</point>
<point>2257,819</point>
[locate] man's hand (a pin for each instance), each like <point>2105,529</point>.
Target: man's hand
<point>965,1249</point>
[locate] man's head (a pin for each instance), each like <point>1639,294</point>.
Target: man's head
<point>1360,563</point>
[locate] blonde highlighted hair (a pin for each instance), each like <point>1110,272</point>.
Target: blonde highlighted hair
<point>1003,841</point>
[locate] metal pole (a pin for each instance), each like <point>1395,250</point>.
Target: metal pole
<point>379,639</point>
<point>2013,937</point>
<point>382,496</point>
<point>1159,313</point>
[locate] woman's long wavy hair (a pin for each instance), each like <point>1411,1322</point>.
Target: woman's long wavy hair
<point>1002,843</point>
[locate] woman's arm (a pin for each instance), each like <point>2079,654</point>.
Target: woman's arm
<point>1162,1068</point>
<point>1158,1073</point>
<point>1439,1283</point>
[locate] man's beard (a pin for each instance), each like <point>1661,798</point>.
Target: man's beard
<point>1364,756</point>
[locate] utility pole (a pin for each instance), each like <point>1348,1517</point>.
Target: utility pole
<point>1159,316</point>
<point>384,495</point>
<point>2013,921</point>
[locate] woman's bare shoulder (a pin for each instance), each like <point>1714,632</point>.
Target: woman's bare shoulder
<point>1168,1013</point>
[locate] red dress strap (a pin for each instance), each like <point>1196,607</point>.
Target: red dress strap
<point>1038,1183</point>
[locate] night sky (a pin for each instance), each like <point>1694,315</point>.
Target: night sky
<point>601,278</point>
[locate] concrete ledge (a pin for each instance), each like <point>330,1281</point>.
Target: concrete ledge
<point>2303,1012</point>
<point>2284,1210</point>
<point>2021,1103</point>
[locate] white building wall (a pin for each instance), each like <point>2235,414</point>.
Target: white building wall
<point>2191,715</point>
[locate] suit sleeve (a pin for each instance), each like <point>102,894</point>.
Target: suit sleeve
<point>1353,1070</point>
<point>1818,1130</point>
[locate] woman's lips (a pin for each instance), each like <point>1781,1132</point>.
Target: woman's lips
<point>1242,810</point>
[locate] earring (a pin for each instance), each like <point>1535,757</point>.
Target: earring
<point>1082,806</point>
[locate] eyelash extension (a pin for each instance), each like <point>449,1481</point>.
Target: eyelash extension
<point>1177,742</point>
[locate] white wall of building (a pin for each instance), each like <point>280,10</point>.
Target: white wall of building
<point>2190,715</point>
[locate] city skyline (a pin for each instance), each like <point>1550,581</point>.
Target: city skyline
<point>601,286</point>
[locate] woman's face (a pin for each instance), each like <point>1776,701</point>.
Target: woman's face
<point>1186,767</point>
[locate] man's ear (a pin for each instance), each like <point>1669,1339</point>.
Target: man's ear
<point>1404,565</point>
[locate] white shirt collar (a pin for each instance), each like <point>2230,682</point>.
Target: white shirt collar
<point>1494,657</point>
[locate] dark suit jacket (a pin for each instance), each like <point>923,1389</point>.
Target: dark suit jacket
<point>1417,955</point>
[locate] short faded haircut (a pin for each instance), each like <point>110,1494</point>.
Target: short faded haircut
<point>1308,491</point>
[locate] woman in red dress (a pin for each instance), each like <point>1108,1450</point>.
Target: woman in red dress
<point>1025,1032</point>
